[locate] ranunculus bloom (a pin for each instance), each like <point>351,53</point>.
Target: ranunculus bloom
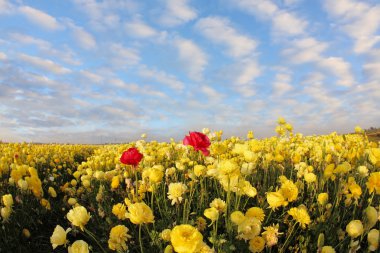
<point>199,141</point>
<point>131,157</point>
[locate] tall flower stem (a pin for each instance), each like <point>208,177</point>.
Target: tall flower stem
<point>140,241</point>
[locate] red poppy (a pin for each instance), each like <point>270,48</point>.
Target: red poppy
<point>199,141</point>
<point>131,157</point>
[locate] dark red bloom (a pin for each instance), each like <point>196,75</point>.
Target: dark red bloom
<point>199,141</point>
<point>131,157</point>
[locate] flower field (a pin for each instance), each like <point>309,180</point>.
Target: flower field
<point>288,193</point>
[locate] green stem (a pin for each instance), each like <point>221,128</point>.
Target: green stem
<point>140,241</point>
<point>94,238</point>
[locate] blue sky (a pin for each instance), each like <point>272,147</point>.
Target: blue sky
<point>88,71</point>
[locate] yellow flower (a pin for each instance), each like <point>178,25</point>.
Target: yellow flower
<point>370,217</point>
<point>118,238</point>
<point>165,235</point>
<point>237,217</point>
<point>8,200</point>
<point>140,213</point>
<point>168,249</point>
<point>186,239</point>
<point>219,204</point>
<point>228,168</point>
<point>119,210</point>
<point>6,213</point>
<point>327,249</point>
<point>363,171</point>
<point>59,236</point>
<point>45,203</point>
<point>328,173</point>
<point>373,238</point>
<point>199,170</point>
<point>271,235</point>
<point>374,156</point>
<point>211,213</point>
<point>310,178</point>
<point>175,192</point>
<point>256,244</point>
<point>275,200</point>
<point>79,246</point>
<point>250,135</point>
<point>52,192</point>
<point>373,183</point>
<point>71,201</point>
<point>255,212</point>
<point>300,215</point>
<point>354,228</point>
<point>156,174</point>
<point>78,216</point>
<point>248,189</point>
<point>249,228</point>
<point>323,198</point>
<point>289,190</point>
<point>115,182</point>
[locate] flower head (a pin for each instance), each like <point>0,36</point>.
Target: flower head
<point>131,157</point>
<point>186,239</point>
<point>140,213</point>
<point>256,244</point>
<point>300,215</point>
<point>199,141</point>
<point>79,246</point>
<point>59,236</point>
<point>373,183</point>
<point>354,228</point>
<point>118,238</point>
<point>78,216</point>
<point>175,192</point>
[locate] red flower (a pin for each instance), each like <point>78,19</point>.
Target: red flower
<point>199,141</point>
<point>131,157</point>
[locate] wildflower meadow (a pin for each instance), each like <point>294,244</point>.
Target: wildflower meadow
<point>206,193</point>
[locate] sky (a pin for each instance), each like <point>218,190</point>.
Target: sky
<point>90,71</point>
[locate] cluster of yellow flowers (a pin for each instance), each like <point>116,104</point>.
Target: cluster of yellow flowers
<point>247,195</point>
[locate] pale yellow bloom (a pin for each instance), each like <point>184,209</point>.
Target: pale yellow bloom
<point>7,200</point>
<point>219,204</point>
<point>118,238</point>
<point>78,216</point>
<point>256,244</point>
<point>327,249</point>
<point>59,236</point>
<point>355,228</point>
<point>255,212</point>
<point>211,213</point>
<point>175,192</point>
<point>140,213</point>
<point>373,238</point>
<point>300,215</point>
<point>79,246</point>
<point>186,239</point>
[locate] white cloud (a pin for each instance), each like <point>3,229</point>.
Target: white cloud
<point>3,56</point>
<point>305,50</point>
<point>263,9</point>
<point>26,39</point>
<point>340,68</point>
<point>359,20</point>
<point>248,70</point>
<point>139,29</point>
<point>40,18</point>
<point>286,23</point>
<point>372,70</point>
<point>6,7</point>
<point>211,93</point>
<point>282,84</point>
<point>177,12</point>
<point>220,31</point>
<point>84,39</point>
<point>44,64</point>
<point>162,77</point>
<point>192,57</point>
<point>123,56</point>
<point>91,76</point>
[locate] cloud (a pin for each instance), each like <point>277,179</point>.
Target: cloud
<point>91,76</point>
<point>211,93</point>
<point>305,50</point>
<point>340,68</point>
<point>3,56</point>
<point>359,20</point>
<point>40,18</point>
<point>83,38</point>
<point>286,23</point>
<point>177,12</point>
<point>44,64</point>
<point>282,84</point>
<point>192,57</point>
<point>220,31</point>
<point>121,56</point>
<point>139,29</point>
<point>6,7</point>
<point>161,77</point>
